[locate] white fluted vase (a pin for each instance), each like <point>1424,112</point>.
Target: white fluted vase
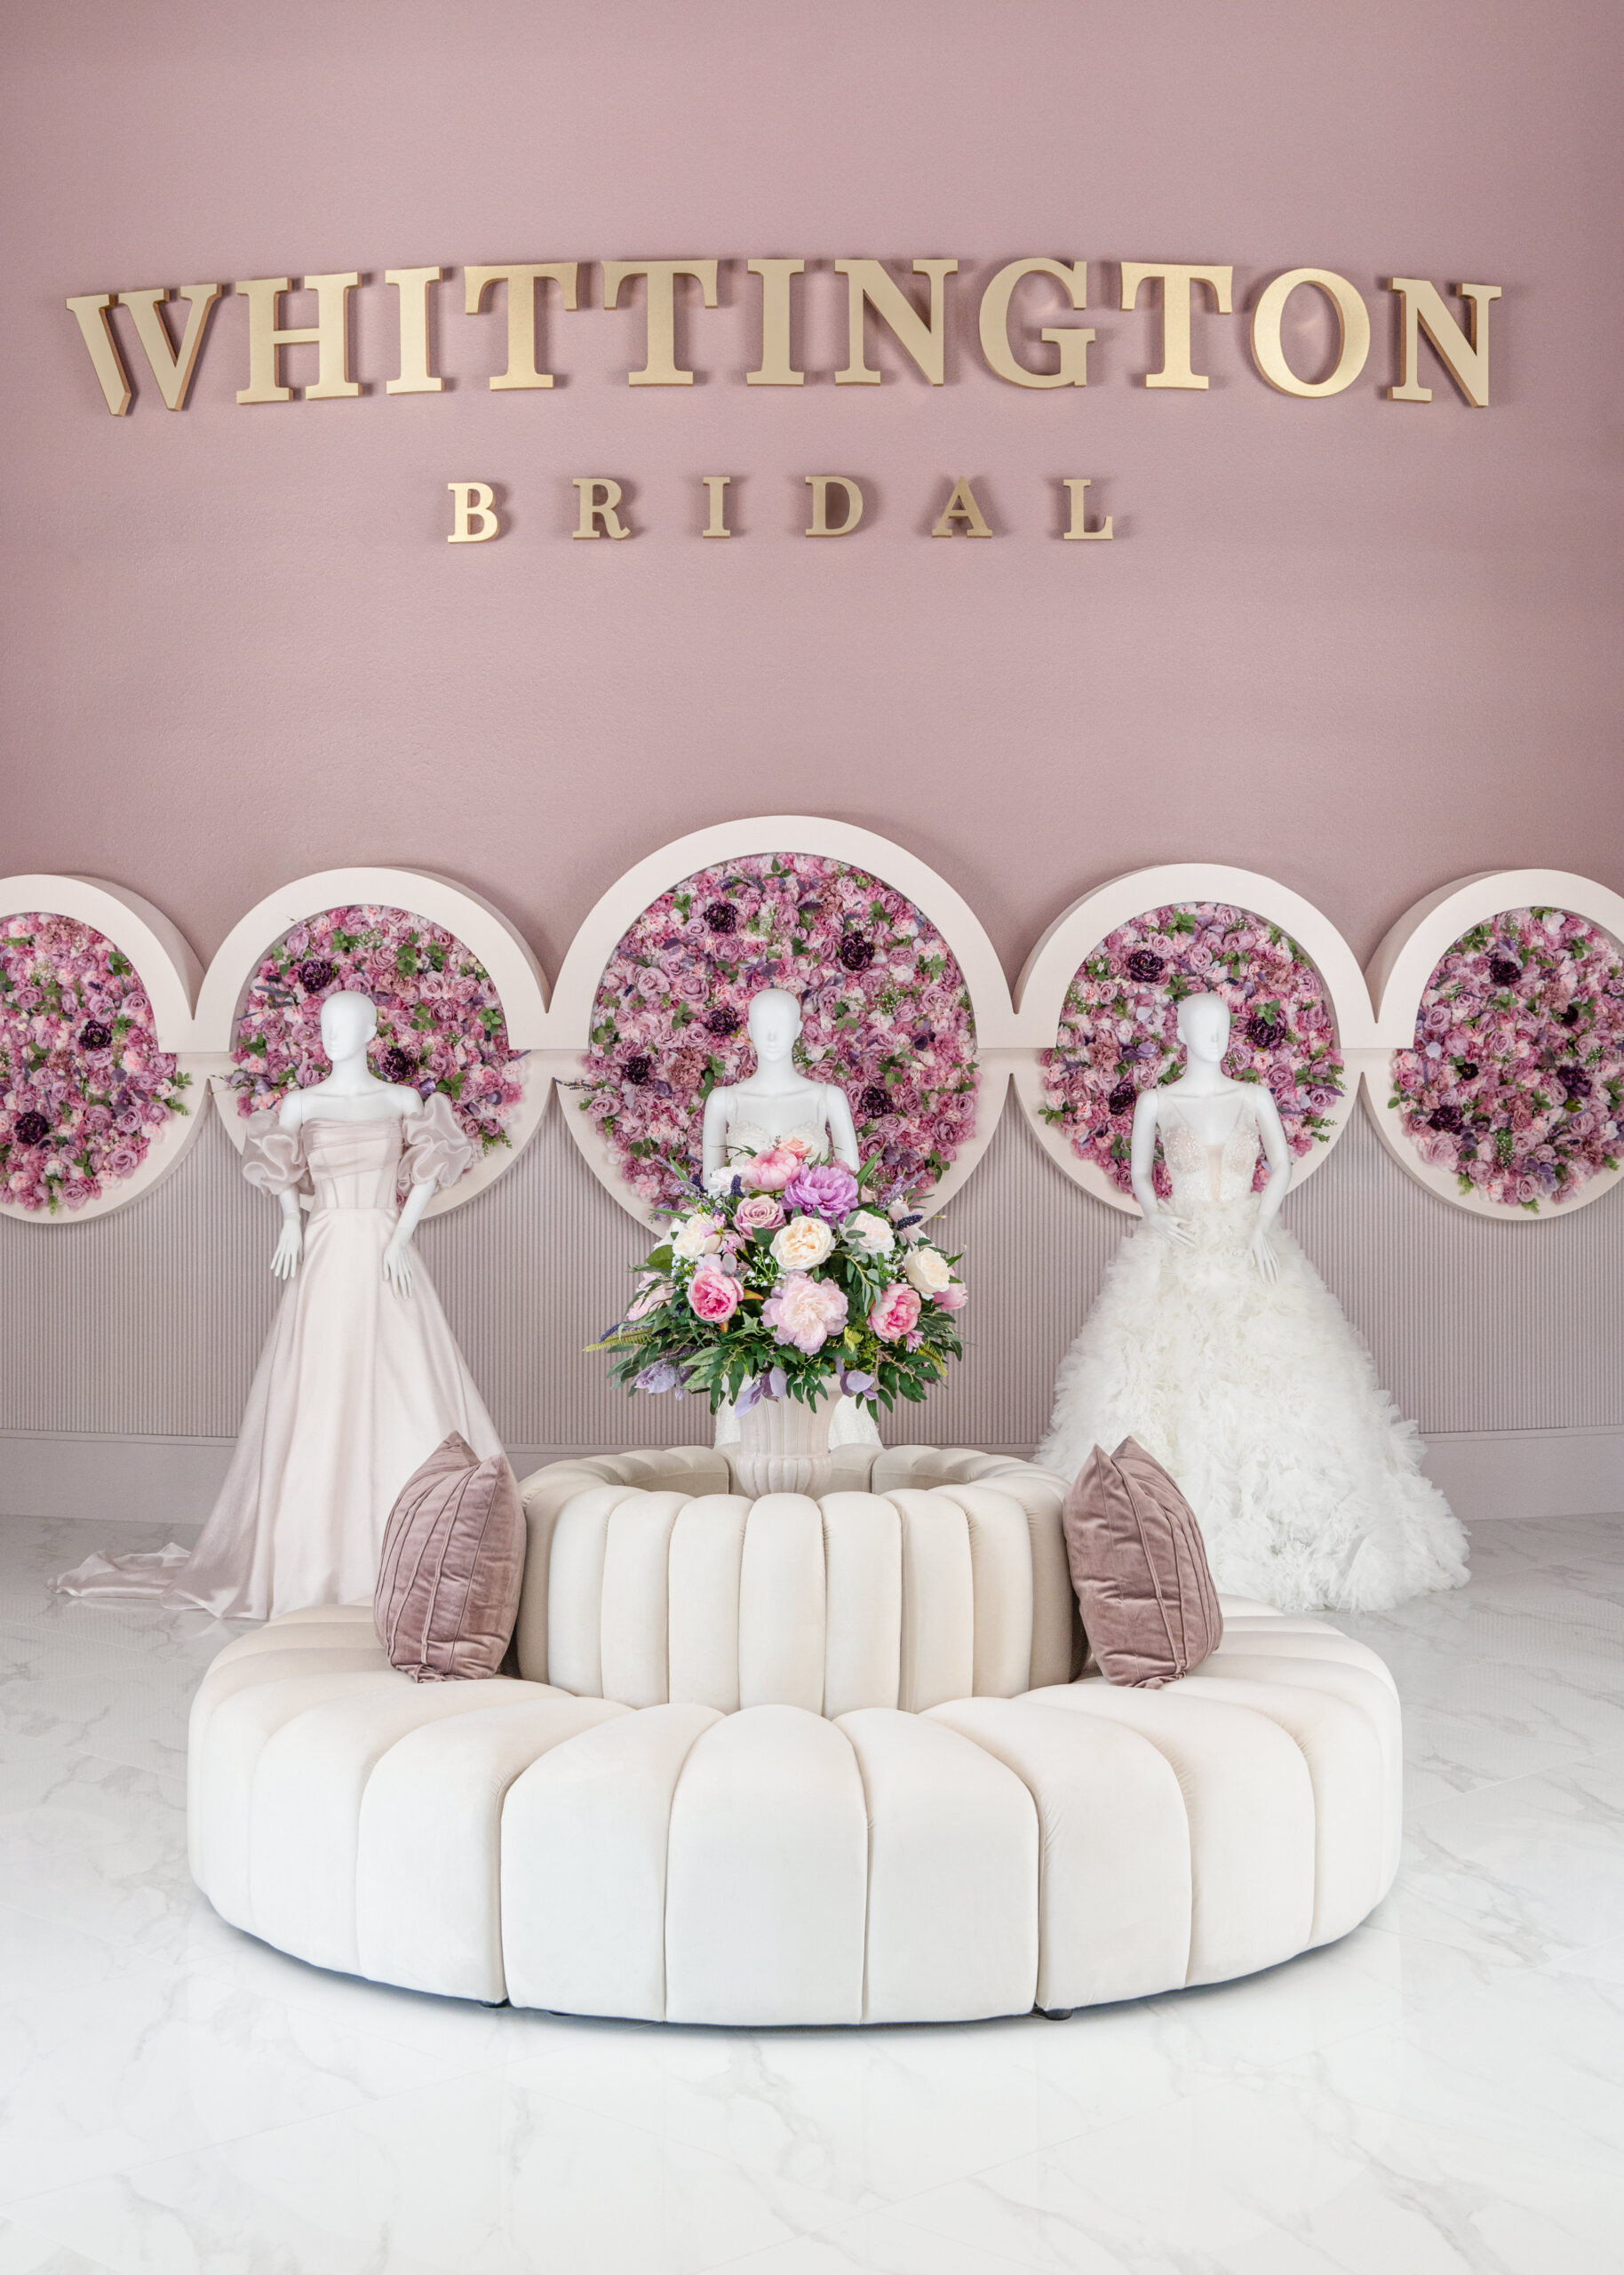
<point>783,1446</point>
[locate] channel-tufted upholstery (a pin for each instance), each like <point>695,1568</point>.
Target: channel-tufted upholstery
<point>795,1761</point>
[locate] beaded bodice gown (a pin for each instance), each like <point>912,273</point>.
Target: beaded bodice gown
<point>1258,1396</point>
<point>355,1386</point>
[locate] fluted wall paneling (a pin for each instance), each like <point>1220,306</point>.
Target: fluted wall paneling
<point>147,1321</point>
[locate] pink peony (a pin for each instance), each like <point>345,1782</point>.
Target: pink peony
<point>711,1294</point>
<point>804,1312</point>
<point>897,1314</point>
<point>757,1212</point>
<point>772,1171</point>
<point>650,1296</point>
<point>953,1298</point>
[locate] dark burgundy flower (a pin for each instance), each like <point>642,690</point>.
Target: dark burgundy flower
<point>1467,1070</point>
<point>32,1128</point>
<point>94,1036</point>
<point>1447,1118</point>
<point>315,973</point>
<point>724,1020</point>
<point>396,1066</point>
<point>875,1101</point>
<point>1121,1099</point>
<point>638,1069</point>
<point>1142,965</point>
<point>1574,1081</point>
<point>1505,971</point>
<point>1262,1032</point>
<point>1570,1018</point>
<point>721,916</point>
<point>855,952</point>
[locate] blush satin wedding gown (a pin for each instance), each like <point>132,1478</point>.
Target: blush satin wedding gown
<point>356,1386</point>
<point>1259,1398</point>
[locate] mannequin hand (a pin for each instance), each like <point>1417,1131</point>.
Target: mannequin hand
<point>288,1249</point>
<point>1264,1255</point>
<point>397,1265</point>
<point>1176,1228</point>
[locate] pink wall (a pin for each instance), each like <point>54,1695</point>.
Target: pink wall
<point>1365,646</point>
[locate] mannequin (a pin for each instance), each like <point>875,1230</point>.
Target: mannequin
<point>361,1378</point>
<point>776,1101</point>
<point>1212,1104</point>
<point>1216,1344</point>
<point>352,1092</point>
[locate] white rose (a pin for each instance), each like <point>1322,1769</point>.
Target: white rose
<point>868,1233</point>
<point>803,1244</point>
<point>928,1270</point>
<point>696,1236</point>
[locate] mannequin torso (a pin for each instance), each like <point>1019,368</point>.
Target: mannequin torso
<point>776,1101</point>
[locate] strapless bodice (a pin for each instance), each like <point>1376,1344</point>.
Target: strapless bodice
<point>747,1139</point>
<point>1212,1184</point>
<point>352,1164</point>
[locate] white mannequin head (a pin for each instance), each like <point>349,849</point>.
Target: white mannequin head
<point>1204,1029</point>
<point>775,1027</point>
<point>349,1021</point>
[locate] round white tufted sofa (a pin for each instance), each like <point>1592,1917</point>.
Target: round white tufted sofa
<point>793,1761</point>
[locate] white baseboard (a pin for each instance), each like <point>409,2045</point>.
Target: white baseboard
<point>1484,1474</point>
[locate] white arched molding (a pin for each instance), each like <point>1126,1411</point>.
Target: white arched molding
<point>1399,971</point>
<point>505,955</point>
<point>170,974</point>
<point>1055,963</point>
<point>996,1043</point>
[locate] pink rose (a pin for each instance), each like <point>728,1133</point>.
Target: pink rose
<point>772,1171</point>
<point>804,1312</point>
<point>711,1294</point>
<point>757,1212</point>
<point>953,1298</point>
<point>897,1314</point>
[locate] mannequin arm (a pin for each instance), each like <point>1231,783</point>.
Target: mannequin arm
<point>1141,1166</point>
<point>714,1147</point>
<point>1277,1154</point>
<point>842,1133</point>
<point>398,1256</point>
<point>290,1240</point>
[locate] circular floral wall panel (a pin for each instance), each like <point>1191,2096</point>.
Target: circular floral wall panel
<point>885,1013</point>
<point>1512,1087</point>
<point>440,1021</point>
<point>1119,1030</point>
<point>86,1095</point>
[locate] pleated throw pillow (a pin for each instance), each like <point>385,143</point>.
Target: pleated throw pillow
<point>447,1586</point>
<point>1139,1566</point>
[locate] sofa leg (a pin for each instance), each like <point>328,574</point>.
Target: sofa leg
<point>1057,2013</point>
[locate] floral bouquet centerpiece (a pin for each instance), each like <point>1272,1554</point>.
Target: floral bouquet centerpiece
<point>781,1283</point>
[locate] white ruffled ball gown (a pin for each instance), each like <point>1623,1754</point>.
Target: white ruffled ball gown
<point>356,1386</point>
<point>1259,1397</point>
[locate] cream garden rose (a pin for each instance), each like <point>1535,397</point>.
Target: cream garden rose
<point>696,1236</point>
<point>868,1233</point>
<point>928,1270</point>
<point>803,1244</point>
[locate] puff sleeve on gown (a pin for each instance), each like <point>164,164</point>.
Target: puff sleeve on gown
<point>355,1387</point>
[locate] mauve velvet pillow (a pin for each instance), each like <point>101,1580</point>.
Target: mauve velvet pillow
<point>1148,1604</point>
<point>447,1586</point>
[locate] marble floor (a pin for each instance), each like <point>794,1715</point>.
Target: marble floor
<point>1442,2092</point>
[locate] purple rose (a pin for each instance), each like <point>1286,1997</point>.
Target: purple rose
<point>721,916</point>
<point>638,1070</point>
<point>828,1190</point>
<point>855,952</point>
<point>314,973</point>
<point>31,1129</point>
<point>723,1021</point>
<point>1121,1099</point>
<point>1144,966</point>
<point>94,1036</point>
<point>875,1100</point>
<point>1505,970</point>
